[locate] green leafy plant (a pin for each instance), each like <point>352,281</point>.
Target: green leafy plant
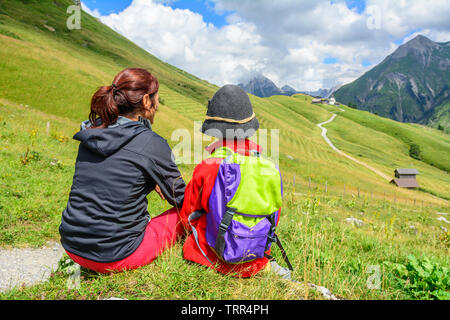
<point>65,266</point>
<point>422,278</point>
<point>311,206</point>
<point>33,136</point>
<point>444,238</point>
<point>55,163</point>
<point>355,266</point>
<point>350,204</point>
<point>61,138</point>
<point>30,156</point>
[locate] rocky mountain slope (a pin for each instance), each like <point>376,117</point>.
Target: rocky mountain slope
<point>261,86</point>
<point>410,85</point>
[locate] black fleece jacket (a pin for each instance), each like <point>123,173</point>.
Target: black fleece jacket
<point>116,168</point>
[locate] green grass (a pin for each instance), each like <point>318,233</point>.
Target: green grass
<point>432,142</point>
<point>441,118</point>
<point>323,248</point>
<point>34,187</point>
<point>49,77</point>
<point>369,138</point>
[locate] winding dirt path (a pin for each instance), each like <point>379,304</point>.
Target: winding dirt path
<point>327,140</point>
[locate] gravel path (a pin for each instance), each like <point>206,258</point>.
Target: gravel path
<point>324,135</point>
<point>28,266</point>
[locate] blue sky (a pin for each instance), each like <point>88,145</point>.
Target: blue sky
<point>401,40</point>
<point>330,60</point>
<point>107,7</point>
<point>358,5</point>
<point>202,7</point>
<point>333,60</point>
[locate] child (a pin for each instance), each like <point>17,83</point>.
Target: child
<point>231,119</point>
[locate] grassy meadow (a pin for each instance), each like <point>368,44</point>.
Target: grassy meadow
<point>48,78</point>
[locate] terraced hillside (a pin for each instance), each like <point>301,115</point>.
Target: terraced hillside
<point>385,144</point>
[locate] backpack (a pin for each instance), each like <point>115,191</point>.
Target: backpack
<point>244,208</point>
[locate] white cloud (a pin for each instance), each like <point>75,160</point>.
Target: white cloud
<point>286,40</point>
<point>400,17</point>
<point>95,13</point>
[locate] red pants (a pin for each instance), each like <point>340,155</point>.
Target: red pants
<point>161,233</point>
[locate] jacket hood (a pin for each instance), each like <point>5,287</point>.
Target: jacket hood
<point>106,141</point>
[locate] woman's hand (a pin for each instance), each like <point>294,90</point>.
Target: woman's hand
<point>158,191</point>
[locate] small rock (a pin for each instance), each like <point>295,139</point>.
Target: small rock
<point>324,291</point>
<point>49,28</point>
<point>290,157</point>
<point>355,221</point>
<point>413,229</point>
<point>443,219</point>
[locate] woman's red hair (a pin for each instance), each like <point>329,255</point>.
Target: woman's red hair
<point>123,97</point>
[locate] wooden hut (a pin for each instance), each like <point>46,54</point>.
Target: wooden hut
<point>406,178</point>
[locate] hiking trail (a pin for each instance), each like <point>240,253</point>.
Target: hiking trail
<point>328,141</point>
<point>28,266</point>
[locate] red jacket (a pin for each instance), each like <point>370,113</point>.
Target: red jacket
<point>196,198</point>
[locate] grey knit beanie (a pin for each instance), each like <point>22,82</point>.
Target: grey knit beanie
<point>230,115</point>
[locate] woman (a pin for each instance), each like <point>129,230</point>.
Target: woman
<point>106,226</point>
<point>231,119</point>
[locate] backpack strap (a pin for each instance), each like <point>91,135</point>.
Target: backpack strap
<point>224,225</point>
<point>222,152</point>
<point>283,252</point>
<point>196,215</point>
<point>271,235</point>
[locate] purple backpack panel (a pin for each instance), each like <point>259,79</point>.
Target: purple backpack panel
<point>242,243</point>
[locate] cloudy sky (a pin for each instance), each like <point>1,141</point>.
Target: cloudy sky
<point>308,44</point>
